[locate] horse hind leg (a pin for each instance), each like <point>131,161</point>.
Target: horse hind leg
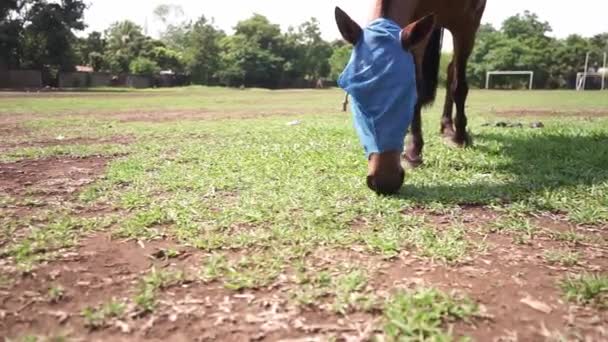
<point>459,88</point>
<point>447,124</point>
<point>413,152</point>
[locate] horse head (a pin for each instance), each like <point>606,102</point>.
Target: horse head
<point>381,80</point>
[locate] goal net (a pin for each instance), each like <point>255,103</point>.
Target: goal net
<point>591,80</point>
<point>528,74</point>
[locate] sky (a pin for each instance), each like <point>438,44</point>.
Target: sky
<point>585,17</point>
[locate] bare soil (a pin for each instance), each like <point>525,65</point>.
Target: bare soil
<point>57,177</point>
<point>122,140</point>
<point>514,285</point>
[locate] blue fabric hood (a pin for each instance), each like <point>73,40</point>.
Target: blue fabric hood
<point>381,80</point>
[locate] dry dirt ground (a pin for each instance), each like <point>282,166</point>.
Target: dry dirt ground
<point>513,283</point>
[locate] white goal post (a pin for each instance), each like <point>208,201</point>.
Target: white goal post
<point>581,77</point>
<point>489,74</point>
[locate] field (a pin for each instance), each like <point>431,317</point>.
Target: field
<point>242,215</point>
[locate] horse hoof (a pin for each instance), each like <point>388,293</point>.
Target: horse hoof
<point>448,134</point>
<point>454,141</point>
<point>411,162</point>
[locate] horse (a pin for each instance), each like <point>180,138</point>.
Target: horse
<point>423,22</point>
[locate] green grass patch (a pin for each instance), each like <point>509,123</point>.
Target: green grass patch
<point>47,236</point>
<point>520,226</point>
<point>587,289</point>
<point>562,257</point>
<point>96,318</point>
<point>423,314</point>
<point>154,281</point>
<point>251,271</point>
<point>342,290</point>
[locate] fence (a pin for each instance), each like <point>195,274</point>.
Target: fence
<point>84,79</point>
<point>20,79</point>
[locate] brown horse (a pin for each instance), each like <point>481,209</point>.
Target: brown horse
<point>462,18</point>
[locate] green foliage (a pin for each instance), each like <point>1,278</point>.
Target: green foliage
<point>316,51</point>
<point>200,45</point>
<point>244,62</point>
<point>90,50</point>
<point>143,66</point>
<point>338,61</point>
<point>123,45</point>
<point>37,33</point>
<point>523,43</point>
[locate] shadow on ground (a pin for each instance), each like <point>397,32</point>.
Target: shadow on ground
<point>537,163</point>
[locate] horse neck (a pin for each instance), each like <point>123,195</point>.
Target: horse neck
<point>400,11</point>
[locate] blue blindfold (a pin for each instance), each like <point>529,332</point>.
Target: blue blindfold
<point>381,80</point>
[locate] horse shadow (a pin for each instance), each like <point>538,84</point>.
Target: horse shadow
<point>534,164</point>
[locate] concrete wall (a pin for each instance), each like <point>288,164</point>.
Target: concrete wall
<point>101,79</point>
<point>73,80</point>
<point>136,81</point>
<point>84,79</point>
<point>20,79</point>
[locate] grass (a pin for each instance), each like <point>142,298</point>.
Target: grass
<point>46,236</point>
<point>151,283</point>
<point>262,198</point>
<point>341,291</point>
<point>565,258</point>
<point>422,314</point>
<point>56,294</point>
<point>587,289</point>
<point>95,318</point>
<point>216,98</point>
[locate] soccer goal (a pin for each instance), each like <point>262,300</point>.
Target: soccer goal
<point>489,75</point>
<point>601,74</point>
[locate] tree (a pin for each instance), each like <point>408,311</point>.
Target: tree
<point>202,50</point>
<point>259,30</point>
<point>524,26</point>
<point>167,59</point>
<point>294,54</point>
<point>39,34</point>
<point>316,51</point>
<point>10,32</point>
<point>253,55</point>
<point>521,44</point>
<point>338,61</point>
<point>143,66</point>
<point>244,62</point>
<point>125,42</point>
<point>90,50</point>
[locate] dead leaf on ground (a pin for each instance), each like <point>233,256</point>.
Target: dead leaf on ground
<point>536,305</point>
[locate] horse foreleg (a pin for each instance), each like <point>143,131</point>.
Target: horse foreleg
<point>413,152</point>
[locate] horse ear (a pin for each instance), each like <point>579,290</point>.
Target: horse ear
<point>416,32</point>
<point>350,30</point>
